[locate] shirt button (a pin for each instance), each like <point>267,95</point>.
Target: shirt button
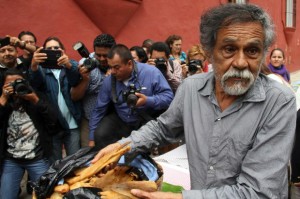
<point>211,168</point>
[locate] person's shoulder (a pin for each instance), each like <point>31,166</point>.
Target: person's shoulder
<point>198,81</point>
<point>274,87</point>
<point>144,67</point>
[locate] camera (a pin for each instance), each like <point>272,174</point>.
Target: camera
<point>52,57</point>
<point>194,65</point>
<point>21,87</point>
<point>129,96</point>
<point>89,63</point>
<point>161,64</point>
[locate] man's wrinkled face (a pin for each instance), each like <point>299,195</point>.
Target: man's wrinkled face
<point>122,71</point>
<point>8,56</point>
<point>237,57</point>
<point>101,55</point>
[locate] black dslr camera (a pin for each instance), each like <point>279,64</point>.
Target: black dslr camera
<point>161,64</point>
<point>21,87</point>
<point>89,63</point>
<point>129,96</point>
<point>194,65</point>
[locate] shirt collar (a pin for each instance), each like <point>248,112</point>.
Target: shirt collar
<point>256,92</point>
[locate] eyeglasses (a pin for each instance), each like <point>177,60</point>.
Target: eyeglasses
<point>53,48</point>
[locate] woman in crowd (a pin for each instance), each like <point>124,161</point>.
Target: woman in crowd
<point>174,42</point>
<point>276,64</point>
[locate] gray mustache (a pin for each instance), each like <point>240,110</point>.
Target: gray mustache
<point>244,74</point>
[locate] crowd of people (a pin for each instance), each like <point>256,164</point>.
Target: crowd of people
<point>218,97</point>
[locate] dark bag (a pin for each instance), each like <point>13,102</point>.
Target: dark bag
<point>45,184</point>
<point>83,193</point>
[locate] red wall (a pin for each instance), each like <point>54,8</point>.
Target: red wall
<point>130,21</point>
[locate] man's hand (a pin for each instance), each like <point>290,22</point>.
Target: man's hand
<point>91,143</point>
<point>64,60</point>
<point>141,99</point>
<point>38,58</point>
<point>151,62</point>
<point>84,72</point>
<point>155,195</point>
<point>105,151</point>
<point>32,97</point>
<point>7,90</point>
<point>184,69</point>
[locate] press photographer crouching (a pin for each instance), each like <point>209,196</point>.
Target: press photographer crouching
<point>28,122</point>
<point>139,93</point>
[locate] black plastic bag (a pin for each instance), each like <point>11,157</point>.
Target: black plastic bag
<point>83,193</point>
<point>45,184</point>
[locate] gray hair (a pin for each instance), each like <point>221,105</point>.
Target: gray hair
<point>225,15</point>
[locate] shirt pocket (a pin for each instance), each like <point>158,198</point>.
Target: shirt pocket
<point>236,152</point>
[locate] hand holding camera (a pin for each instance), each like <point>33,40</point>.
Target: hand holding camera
<point>195,66</point>
<point>48,59</point>
<point>133,97</point>
<point>89,63</point>
<point>20,88</point>
<point>161,64</point>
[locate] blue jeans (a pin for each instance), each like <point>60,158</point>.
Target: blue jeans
<point>13,172</point>
<point>70,139</point>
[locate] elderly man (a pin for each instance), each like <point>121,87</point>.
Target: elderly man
<point>238,124</point>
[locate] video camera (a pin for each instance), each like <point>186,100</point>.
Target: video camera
<point>161,64</point>
<point>89,63</point>
<point>129,96</point>
<point>21,87</point>
<point>194,65</point>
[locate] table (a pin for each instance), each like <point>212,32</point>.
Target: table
<point>175,167</point>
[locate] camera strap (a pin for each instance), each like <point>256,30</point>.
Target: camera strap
<point>172,65</point>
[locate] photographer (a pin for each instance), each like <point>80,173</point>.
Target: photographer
<point>56,81</point>
<point>152,92</point>
<point>9,57</point>
<point>195,60</point>
<point>159,57</point>
<point>91,79</point>
<point>27,124</point>
<point>29,40</point>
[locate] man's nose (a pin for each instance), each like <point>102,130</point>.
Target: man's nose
<point>6,52</point>
<point>240,61</point>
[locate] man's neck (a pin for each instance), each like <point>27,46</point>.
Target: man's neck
<point>224,100</point>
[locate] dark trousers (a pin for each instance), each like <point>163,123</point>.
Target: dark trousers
<point>295,159</point>
<point>111,129</point>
